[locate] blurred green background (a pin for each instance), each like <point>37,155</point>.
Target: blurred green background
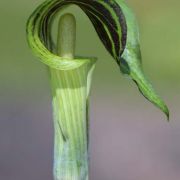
<point>130,138</point>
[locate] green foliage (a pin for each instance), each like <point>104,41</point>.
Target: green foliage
<point>130,61</point>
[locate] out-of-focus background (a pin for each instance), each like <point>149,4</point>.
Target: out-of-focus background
<point>130,138</point>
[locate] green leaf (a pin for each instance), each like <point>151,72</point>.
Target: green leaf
<point>130,61</point>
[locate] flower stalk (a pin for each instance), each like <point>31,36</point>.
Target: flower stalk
<point>70,89</point>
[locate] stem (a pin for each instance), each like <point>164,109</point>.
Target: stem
<point>70,90</point>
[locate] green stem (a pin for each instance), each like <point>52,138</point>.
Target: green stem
<point>70,90</point>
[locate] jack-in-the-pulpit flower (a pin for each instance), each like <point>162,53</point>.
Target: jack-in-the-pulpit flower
<point>116,27</point>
